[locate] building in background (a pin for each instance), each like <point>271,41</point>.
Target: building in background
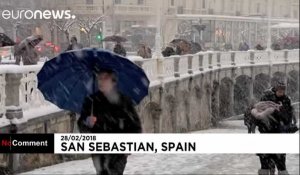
<point>211,22</point>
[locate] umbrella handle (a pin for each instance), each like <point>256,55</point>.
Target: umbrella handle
<point>92,108</point>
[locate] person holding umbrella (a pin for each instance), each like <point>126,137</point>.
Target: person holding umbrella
<point>103,87</point>
<point>108,111</point>
<point>74,44</point>
<point>25,50</point>
<point>119,49</point>
<point>5,40</point>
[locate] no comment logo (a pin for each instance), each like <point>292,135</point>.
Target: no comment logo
<point>37,14</point>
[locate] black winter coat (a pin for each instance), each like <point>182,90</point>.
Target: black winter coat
<point>281,119</point>
<point>111,118</point>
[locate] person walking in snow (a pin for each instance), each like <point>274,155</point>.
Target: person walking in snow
<point>108,111</point>
<point>120,50</point>
<point>275,115</point>
<point>74,45</point>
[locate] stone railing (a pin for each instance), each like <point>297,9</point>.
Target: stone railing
<point>178,66</point>
<point>18,84</point>
<point>18,91</point>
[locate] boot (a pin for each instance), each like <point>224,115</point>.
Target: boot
<point>263,172</point>
<point>283,172</point>
<point>272,171</point>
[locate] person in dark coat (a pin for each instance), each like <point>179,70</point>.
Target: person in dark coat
<point>283,121</point>
<point>28,56</point>
<point>276,46</point>
<point>144,51</point>
<point>119,49</point>
<point>168,51</point>
<point>74,45</point>
<point>108,111</point>
<point>243,46</point>
<point>249,120</point>
<point>259,47</point>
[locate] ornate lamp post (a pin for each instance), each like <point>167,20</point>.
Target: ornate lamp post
<point>269,25</point>
<point>158,54</point>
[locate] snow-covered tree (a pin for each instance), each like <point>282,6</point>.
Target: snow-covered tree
<point>87,24</point>
<point>63,26</point>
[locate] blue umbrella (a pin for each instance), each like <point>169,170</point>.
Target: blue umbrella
<point>70,77</point>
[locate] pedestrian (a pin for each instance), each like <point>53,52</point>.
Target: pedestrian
<point>74,45</point>
<point>108,111</point>
<point>243,46</point>
<point>119,49</point>
<point>249,120</point>
<point>282,120</point>
<point>276,46</point>
<point>144,51</point>
<point>28,56</point>
<point>259,47</point>
<point>169,50</point>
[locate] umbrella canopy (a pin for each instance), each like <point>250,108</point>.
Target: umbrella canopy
<point>5,40</point>
<point>177,41</point>
<point>29,42</point>
<point>115,38</point>
<point>70,77</point>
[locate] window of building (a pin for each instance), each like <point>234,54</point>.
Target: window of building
<point>89,1</point>
<point>172,2</point>
<point>296,14</point>
<point>117,1</point>
<point>140,2</point>
<point>232,5</point>
<point>258,8</point>
<point>203,4</point>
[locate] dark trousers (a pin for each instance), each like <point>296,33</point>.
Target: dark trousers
<point>270,161</point>
<point>109,164</point>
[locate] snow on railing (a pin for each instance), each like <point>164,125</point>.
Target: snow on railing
<point>242,58</point>
<point>205,61</point>
<point>195,60</point>
<point>278,56</point>
<point>168,68</point>
<point>293,55</point>
<point>261,57</point>
<point>150,67</point>
<point>182,64</point>
<point>29,93</point>
<point>225,59</point>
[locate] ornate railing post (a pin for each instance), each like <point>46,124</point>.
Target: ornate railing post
<point>160,69</point>
<point>176,66</point>
<point>210,57</point>
<point>233,58</point>
<point>12,100</point>
<point>200,57</point>
<point>190,64</point>
<point>219,59</point>
<point>286,55</point>
<point>252,61</point>
<point>13,110</point>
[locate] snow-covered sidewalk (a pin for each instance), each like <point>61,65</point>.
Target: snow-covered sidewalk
<point>180,164</point>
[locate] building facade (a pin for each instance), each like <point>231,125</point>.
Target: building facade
<point>212,22</point>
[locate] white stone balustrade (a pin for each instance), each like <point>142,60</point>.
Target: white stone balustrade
<point>24,78</point>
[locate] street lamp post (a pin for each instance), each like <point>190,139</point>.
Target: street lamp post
<point>157,54</point>
<point>158,32</point>
<point>269,25</point>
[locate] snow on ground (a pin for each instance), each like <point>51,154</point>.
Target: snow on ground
<point>180,163</point>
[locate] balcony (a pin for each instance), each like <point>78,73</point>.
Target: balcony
<point>194,11</point>
<point>134,10</point>
<point>88,9</point>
